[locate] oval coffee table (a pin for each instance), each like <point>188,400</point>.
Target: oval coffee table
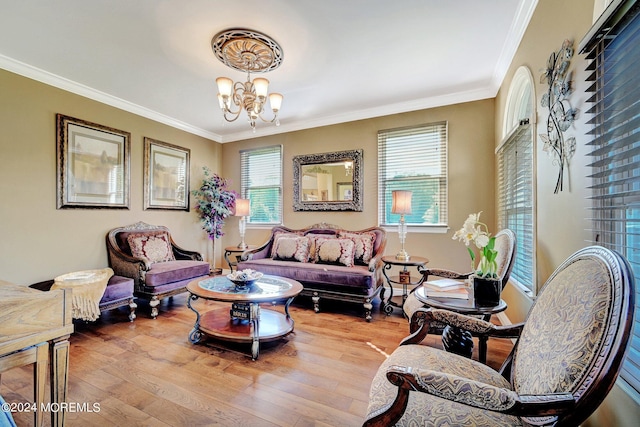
<point>246,321</point>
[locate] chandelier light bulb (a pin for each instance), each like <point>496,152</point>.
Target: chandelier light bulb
<point>225,86</point>
<point>276,102</point>
<point>261,86</point>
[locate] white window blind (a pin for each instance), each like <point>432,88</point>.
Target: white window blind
<point>613,48</point>
<point>261,183</point>
<point>515,199</point>
<point>414,159</point>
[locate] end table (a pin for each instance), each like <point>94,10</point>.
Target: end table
<point>235,250</point>
<point>403,279</point>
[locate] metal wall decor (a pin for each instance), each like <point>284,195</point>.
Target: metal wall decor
<point>561,115</point>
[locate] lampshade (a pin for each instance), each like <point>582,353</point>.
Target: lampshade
<point>276,101</point>
<point>224,86</point>
<point>242,207</point>
<point>261,85</point>
<point>401,202</point>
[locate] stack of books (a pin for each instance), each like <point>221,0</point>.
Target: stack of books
<point>446,288</point>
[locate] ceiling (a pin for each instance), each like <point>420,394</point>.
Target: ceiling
<point>344,60</point>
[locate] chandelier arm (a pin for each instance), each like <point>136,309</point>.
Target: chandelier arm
<point>275,117</point>
<point>234,115</point>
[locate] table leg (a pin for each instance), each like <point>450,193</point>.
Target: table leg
<point>387,305</point>
<point>458,341</point>
<point>255,323</point>
<point>195,335</point>
<point>59,371</point>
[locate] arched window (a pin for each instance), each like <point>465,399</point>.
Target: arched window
<point>516,165</point>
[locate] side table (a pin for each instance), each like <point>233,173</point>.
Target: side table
<point>456,340</point>
<point>403,279</point>
<point>235,250</point>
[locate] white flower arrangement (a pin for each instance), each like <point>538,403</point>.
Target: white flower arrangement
<point>476,232</point>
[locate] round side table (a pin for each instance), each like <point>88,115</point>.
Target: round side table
<point>456,340</point>
<point>235,250</point>
<point>403,279</point>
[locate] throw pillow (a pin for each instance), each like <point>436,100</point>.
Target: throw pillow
<point>312,242</point>
<point>291,249</point>
<point>151,247</point>
<point>363,251</point>
<point>277,235</point>
<point>335,251</point>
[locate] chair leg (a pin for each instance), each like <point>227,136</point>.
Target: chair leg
<point>132,310</point>
<point>316,302</point>
<point>154,306</point>
<point>367,309</point>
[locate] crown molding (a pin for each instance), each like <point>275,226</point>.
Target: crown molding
<point>54,80</point>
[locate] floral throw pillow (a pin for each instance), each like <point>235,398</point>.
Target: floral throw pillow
<point>363,251</point>
<point>335,251</point>
<point>151,247</point>
<point>291,249</point>
<point>276,236</point>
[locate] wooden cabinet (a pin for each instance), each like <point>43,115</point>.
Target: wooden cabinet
<point>34,329</point>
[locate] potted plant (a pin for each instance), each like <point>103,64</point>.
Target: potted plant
<point>487,286</point>
<point>215,203</point>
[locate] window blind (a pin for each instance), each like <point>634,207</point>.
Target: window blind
<point>515,199</point>
<point>613,48</point>
<point>261,183</point>
<point>414,159</point>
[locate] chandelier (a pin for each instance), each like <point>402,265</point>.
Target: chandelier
<point>251,52</point>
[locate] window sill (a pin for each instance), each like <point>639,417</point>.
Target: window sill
<point>429,229</point>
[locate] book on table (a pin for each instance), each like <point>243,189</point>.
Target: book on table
<point>443,284</point>
<point>457,293</point>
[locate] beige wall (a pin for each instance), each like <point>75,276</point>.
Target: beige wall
<point>562,219</point>
<point>39,242</point>
<point>471,176</point>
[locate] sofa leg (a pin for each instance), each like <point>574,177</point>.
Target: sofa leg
<point>132,310</point>
<point>367,309</point>
<point>316,302</point>
<point>154,306</point>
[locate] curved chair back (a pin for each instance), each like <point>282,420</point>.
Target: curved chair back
<point>506,246</point>
<point>576,334</point>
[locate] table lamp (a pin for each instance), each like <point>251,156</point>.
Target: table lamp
<point>401,205</point>
<point>242,210</point>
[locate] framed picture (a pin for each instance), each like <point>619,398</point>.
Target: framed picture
<point>166,176</point>
<point>345,190</point>
<point>93,165</point>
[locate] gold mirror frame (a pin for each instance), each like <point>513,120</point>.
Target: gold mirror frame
<point>303,164</point>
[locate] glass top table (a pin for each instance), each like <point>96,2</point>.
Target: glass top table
<point>246,321</point>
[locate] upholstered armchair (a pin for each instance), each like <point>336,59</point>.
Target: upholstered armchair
<point>564,362</point>
<point>505,245</point>
<point>148,255</point>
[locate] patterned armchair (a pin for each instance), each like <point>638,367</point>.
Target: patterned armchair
<point>148,255</point>
<point>565,361</point>
<point>506,247</point>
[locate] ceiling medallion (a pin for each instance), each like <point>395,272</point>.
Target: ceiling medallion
<point>247,50</point>
<point>251,52</point>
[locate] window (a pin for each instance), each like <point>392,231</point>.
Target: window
<point>515,157</point>
<point>414,159</point>
<point>261,183</point>
<point>613,45</point>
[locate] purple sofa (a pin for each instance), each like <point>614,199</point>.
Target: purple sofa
<point>148,255</point>
<point>330,262</point>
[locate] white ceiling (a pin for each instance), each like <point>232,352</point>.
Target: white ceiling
<point>344,60</point>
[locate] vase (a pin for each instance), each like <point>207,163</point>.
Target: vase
<point>486,291</point>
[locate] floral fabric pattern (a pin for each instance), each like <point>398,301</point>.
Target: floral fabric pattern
<point>153,248</point>
<point>335,251</point>
<point>363,245</point>
<point>277,235</point>
<point>579,293</point>
<point>291,249</point>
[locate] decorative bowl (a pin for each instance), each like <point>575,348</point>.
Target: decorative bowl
<point>244,278</point>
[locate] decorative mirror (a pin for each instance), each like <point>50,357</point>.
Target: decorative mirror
<point>328,181</point>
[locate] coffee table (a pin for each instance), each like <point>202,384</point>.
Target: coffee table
<point>456,340</point>
<point>246,321</point>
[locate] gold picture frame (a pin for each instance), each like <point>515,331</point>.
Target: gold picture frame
<point>166,176</point>
<point>93,165</point>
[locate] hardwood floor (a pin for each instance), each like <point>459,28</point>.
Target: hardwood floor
<point>147,373</point>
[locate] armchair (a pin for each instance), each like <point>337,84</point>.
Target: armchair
<point>565,361</point>
<point>148,255</point>
<point>506,247</point>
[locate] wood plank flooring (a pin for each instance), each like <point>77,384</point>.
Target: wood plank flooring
<point>147,373</point>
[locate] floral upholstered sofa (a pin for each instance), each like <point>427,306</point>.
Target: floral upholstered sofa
<point>329,261</point>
